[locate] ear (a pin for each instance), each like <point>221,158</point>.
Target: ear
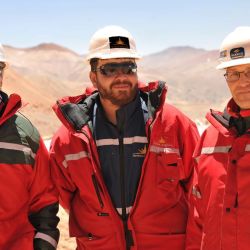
<point>93,78</point>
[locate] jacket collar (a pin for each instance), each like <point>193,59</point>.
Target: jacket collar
<point>11,105</point>
<point>232,120</point>
<point>76,112</point>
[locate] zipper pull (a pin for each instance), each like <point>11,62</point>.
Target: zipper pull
<point>90,236</point>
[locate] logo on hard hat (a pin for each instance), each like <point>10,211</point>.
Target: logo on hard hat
<point>236,53</point>
<point>119,42</point>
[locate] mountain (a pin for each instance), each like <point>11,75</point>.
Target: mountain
<point>194,84</point>
<point>46,72</point>
<point>41,75</point>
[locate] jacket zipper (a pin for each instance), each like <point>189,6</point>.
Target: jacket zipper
<point>96,186</point>
<point>97,191</point>
<point>95,183</point>
<point>127,232</point>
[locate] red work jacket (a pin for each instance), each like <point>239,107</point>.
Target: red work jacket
<point>221,187</point>
<point>158,217</point>
<point>25,185</point>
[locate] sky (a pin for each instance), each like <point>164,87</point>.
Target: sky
<point>155,25</point>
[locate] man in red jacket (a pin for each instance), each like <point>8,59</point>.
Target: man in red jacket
<point>28,200</point>
<point>122,159</point>
<point>222,187</point>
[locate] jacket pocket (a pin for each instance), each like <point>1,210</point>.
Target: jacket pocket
<point>168,171</point>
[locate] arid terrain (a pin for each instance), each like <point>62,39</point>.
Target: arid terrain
<point>47,72</point>
<point>65,242</point>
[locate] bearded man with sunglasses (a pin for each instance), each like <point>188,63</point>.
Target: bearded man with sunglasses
<point>222,187</point>
<point>122,159</point>
<point>28,198</point>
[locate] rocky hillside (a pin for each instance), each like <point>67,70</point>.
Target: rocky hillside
<point>44,73</point>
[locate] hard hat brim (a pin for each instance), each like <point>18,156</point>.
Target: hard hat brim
<point>114,54</point>
<point>234,62</point>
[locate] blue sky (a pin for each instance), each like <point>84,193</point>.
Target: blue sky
<point>156,25</point>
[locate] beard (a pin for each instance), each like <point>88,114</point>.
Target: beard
<point>116,96</point>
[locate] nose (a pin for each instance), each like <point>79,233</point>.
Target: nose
<point>120,75</point>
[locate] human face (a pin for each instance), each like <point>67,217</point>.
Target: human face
<point>120,88</point>
<point>240,88</point>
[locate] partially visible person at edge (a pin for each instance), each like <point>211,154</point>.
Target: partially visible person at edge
<point>122,159</point>
<point>222,187</point>
<point>28,199</point>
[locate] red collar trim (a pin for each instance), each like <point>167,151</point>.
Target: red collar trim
<point>234,110</point>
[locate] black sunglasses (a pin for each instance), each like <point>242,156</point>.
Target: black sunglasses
<point>112,69</point>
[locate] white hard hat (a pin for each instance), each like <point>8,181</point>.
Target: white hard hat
<point>2,55</point>
<point>112,42</point>
<point>235,48</point>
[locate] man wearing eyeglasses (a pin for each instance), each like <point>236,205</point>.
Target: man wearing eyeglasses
<point>221,189</point>
<point>28,199</point>
<point>122,161</point>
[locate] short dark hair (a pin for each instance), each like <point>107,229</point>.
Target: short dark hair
<point>93,64</point>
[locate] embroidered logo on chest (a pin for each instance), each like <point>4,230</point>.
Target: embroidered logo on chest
<point>162,142</point>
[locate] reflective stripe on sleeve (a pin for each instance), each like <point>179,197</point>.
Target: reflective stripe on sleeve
<point>74,157</point>
<point>47,238</point>
<point>219,149</point>
<point>18,147</point>
<point>158,150</point>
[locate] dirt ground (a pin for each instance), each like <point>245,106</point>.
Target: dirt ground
<point>65,242</point>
